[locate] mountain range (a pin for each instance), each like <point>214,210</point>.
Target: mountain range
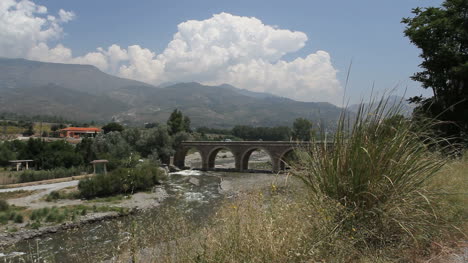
<point>84,93</point>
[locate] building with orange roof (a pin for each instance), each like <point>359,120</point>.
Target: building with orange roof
<point>79,132</point>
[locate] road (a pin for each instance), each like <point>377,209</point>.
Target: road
<point>33,201</point>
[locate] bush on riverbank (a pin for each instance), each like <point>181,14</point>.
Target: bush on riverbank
<point>4,206</point>
<point>9,213</point>
<point>32,176</point>
<point>377,174</point>
<point>120,181</point>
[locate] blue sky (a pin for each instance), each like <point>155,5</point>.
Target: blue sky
<point>367,32</point>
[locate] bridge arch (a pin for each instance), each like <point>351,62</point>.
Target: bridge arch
<point>179,157</point>
<point>214,152</point>
<point>247,153</point>
<point>283,160</point>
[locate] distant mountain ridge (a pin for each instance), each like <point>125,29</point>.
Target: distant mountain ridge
<point>84,93</point>
<point>392,101</point>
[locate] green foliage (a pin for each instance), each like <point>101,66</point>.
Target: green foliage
<point>18,219</point>
<point>177,122</point>
<point>29,131</point>
<point>442,35</point>
<point>85,150</point>
<point>376,173</point>
<point>131,135</point>
<point>302,129</point>
<point>6,153</point>
<point>49,215</point>
<point>112,147</point>
<point>57,195</point>
<point>120,181</point>
<point>156,141</point>
<point>214,130</point>
<point>280,133</point>
<point>112,127</point>
<point>46,155</point>
<point>3,218</point>
<point>32,176</point>
<point>178,138</point>
<point>4,206</point>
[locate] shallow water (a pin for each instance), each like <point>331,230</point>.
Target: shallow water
<point>102,241</point>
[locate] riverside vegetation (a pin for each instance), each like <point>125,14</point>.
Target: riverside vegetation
<point>386,193</point>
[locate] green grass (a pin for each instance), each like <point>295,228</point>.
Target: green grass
<point>33,176</point>
<point>62,194</point>
<point>110,199</point>
<point>10,213</point>
<point>53,215</point>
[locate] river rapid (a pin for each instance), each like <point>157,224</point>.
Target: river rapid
<point>192,194</point>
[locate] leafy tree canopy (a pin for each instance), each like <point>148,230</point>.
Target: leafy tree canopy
<point>177,122</point>
<point>112,126</point>
<point>302,129</point>
<point>442,35</point>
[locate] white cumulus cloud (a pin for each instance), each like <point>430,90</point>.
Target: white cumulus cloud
<point>225,48</point>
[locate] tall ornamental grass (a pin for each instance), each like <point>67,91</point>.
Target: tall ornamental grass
<point>376,169</point>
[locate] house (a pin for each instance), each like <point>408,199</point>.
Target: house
<point>79,132</point>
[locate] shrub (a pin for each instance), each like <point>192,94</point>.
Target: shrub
<point>3,218</point>
<point>35,225</point>
<point>374,174</point>
<point>4,206</point>
<point>18,219</point>
<point>32,176</point>
<point>12,215</point>
<point>53,196</point>
<point>120,181</point>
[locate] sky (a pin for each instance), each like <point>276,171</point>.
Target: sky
<point>302,50</point>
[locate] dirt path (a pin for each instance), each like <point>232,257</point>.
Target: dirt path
<point>34,200</point>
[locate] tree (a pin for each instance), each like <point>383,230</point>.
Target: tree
<point>156,140</point>
<point>302,129</point>
<point>6,153</point>
<point>187,124</point>
<point>111,127</point>
<point>85,149</point>
<point>442,35</point>
<point>178,138</point>
<point>177,122</point>
<point>113,147</point>
<point>30,130</point>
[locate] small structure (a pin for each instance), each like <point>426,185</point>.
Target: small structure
<point>79,132</point>
<point>99,165</point>
<point>19,164</point>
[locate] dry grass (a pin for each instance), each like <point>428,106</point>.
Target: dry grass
<point>379,196</point>
<point>292,226</point>
<point>16,194</point>
<point>7,177</point>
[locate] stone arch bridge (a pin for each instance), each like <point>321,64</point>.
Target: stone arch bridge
<point>241,151</point>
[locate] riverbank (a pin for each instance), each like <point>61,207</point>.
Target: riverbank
<point>228,185</point>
